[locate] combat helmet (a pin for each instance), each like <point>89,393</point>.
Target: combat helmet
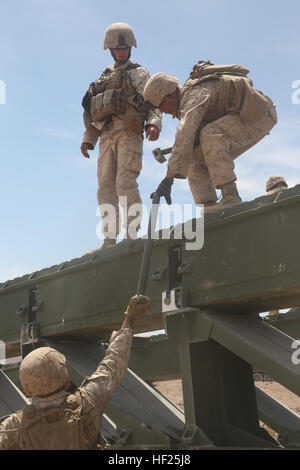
<point>275,183</point>
<point>43,372</point>
<point>119,35</point>
<point>159,86</point>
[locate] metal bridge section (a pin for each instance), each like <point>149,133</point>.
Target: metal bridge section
<point>208,301</point>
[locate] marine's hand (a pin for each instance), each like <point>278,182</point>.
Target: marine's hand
<point>152,132</point>
<point>137,306</point>
<point>84,149</point>
<point>164,189</point>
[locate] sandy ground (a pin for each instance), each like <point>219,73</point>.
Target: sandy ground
<point>173,391</point>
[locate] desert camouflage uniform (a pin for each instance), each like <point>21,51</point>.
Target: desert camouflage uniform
<point>209,138</point>
<point>120,154</point>
<point>95,393</point>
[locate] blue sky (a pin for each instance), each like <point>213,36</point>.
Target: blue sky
<point>49,53</point>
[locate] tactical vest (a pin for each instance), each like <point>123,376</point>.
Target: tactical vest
<point>114,95</point>
<point>59,428</point>
<point>236,92</point>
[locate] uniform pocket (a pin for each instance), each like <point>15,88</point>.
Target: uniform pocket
<point>134,161</point>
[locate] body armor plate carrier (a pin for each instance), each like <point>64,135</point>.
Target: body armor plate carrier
<point>114,95</point>
<point>236,92</point>
<point>59,428</point>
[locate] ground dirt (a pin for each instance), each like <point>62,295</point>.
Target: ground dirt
<point>173,391</point>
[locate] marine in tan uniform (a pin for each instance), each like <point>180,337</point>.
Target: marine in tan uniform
<point>115,111</point>
<point>275,183</point>
<point>58,420</point>
<point>221,116</point>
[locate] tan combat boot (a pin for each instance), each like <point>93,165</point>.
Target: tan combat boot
<point>108,242</point>
<point>230,198</point>
<point>129,236</point>
<point>207,205</point>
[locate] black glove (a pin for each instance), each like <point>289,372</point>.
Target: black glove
<point>164,189</point>
<point>142,105</point>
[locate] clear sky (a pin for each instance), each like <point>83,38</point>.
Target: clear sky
<point>50,51</point>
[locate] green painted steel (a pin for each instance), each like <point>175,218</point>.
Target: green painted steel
<point>154,358</point>
<point>247,336</point>
<point>282,420</point>
<point>11,399</point>
<point>85,297</point>
<point>216,353</point>
<point>288,322</point>
<point>248,263</point>
<point>219,395</point>
<point>141,416</point>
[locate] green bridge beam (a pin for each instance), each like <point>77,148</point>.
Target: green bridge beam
<point>247,264</point>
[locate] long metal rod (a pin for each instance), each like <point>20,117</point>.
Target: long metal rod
<point>144,270</point>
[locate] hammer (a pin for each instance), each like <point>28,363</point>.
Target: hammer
<point>159,154</point>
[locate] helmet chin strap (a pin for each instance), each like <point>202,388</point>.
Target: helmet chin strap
<point>120,62</point>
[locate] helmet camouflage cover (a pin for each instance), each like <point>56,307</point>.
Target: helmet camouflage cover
<point>119,35</point>
<point>43,372</point>
<point>274,182</point>
<point>159,86</point>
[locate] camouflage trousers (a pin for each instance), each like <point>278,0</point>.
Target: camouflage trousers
<point>222,141</point>
<point>119,165</point>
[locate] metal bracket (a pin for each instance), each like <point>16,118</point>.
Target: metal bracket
<point>30,337</point>
<point>159,273</point>
<point>140,436</point>
<point>174,299</point>
<point>30,330</point>
<point>123,435</point>
<point>189,434</point>
<point>194,436</point>
<point>185,267</point>
<point>37,306</point>
<point>22,310</point>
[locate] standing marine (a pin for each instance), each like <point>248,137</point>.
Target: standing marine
<point>115,111</point>
<point>56,419</point>
<point>221,116</point>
